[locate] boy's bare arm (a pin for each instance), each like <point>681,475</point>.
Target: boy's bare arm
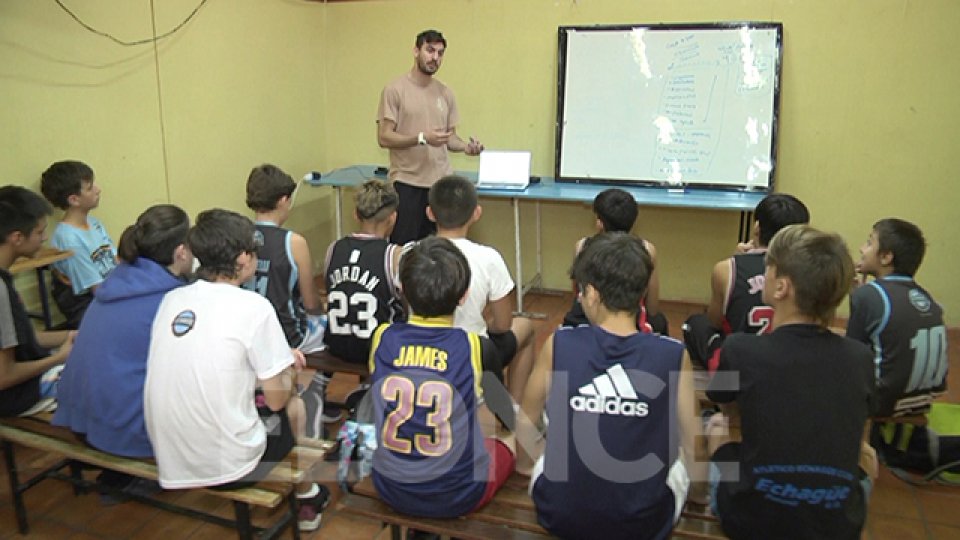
<point>301,256</point>
<point>719,280</point>
<point>13,373</point>
<point>500,315</point>
<point>530,441</point>
<point>278,389</point>
<point>50,339</point>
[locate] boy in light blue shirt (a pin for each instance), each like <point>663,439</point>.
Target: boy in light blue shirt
<point>69,185</point>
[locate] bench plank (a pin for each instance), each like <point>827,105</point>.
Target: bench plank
<point>459,528</point>
<point>324,361</point>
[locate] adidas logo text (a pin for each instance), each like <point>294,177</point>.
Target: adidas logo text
<point>609,405</point>
<point>610,393</point>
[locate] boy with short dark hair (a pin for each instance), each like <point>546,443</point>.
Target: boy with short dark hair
<point>219,398</point>
<point>432,459</point>
<point>736,284</point>
<point>285,276</point>
<point>616,211</point>
<point>69,185</point>
<point>487,310</point>
<point>804,396</point>
<point>900,320</point>
<point>28,371</point>
<point>620,438</point>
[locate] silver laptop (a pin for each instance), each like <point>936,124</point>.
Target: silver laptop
<point>504,169</point>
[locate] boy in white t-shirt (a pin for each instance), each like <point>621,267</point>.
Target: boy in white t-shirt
<point>219,398</point>
<point>487,309</point>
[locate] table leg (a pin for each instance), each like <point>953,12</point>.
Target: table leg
<point>339,211</point>
<point>44,301</point>
<point>518,273</point>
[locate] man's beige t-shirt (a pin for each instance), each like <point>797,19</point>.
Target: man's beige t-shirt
<point>414,109</point>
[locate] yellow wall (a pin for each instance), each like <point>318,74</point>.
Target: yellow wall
<point>867,123</point>
<point>869,116</point>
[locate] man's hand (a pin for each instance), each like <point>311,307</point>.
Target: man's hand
<point>437,137</point>
<point>473,148</point>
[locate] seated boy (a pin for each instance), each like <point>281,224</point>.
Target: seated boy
<point>361,274</point>
<point>487,310</point>
<point>28,371</point>
<point>621,426</point>
<point>617,211</point>
<point>804,396</point>
<point>736,283</point>
<point>432,459</point>
<point>69,185</point>
<point>285,272</point>
<point>900,320</point>
<point>212,345</point>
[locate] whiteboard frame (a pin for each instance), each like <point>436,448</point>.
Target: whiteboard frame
<point>562,35</point>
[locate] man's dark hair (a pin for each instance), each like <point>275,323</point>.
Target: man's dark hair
<point>217,239</point>
<point>20,211</point>
<point>156,234</point>
<point>904,241</point>
<point>430,36</point>
<point>452,200</point>
<point>63,179</point>
<point>776,211</point>
<point>434,275</point>
<point>266,185</point>
<point>616,209</point>
<point>618,266</point>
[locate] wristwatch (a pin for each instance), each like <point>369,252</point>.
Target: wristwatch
<point>421,140</point>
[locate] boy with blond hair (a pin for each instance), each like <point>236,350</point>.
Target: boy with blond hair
<point>804,396</point>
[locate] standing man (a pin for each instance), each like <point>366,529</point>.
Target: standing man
<point>417,122</point>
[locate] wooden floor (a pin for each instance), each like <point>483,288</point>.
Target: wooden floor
<point>897,510</point>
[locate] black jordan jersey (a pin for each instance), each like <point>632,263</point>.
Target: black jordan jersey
<point>278,279</point>
<point>361,294</point>
<point>904,326</point>
<point>744,310</point>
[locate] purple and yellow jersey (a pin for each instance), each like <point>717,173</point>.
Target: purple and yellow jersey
<point>425,377</point>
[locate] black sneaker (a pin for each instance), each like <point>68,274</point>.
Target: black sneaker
<point>311,509</point>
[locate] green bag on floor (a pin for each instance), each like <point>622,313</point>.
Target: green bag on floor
<point>932,450</point>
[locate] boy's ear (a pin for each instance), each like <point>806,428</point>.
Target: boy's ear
<point>15,238</point>
<point>782,287</point>
<point>598,224</point>
<point>477,213</point>
<point>430,215</point>
<point>886,258</point>
<point>464,297</point>
<point>356,215</point>
<point>73,200</point>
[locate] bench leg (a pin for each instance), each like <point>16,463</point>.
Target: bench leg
<point>15,491</point>
<point>395,532</point>
<point>242,512</point>
<point>294,512</point>
<point>76,470</point>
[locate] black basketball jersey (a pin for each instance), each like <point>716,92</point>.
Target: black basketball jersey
<point>804,395</point>
<point>904,326</point>
<point>278,279</point>
<point>744,310</point>
<point>360,294</point>
<point>612,436</point>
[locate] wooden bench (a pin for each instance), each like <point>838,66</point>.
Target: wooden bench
<point>37,433</point>
<point>511,515</point>
<point>325,362</point>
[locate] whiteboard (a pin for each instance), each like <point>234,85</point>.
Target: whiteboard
<point>675,105</point>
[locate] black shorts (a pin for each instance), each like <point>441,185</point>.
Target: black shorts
<point>280,441</point>
<point>412,221</point>
<point>506,344</point>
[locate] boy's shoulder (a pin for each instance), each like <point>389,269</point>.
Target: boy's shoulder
<point>475,251</point>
